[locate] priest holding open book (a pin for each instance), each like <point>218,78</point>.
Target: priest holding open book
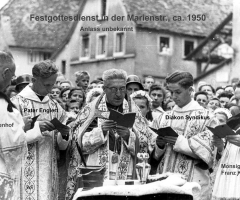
<point>105,138</point>
<point>40,174</point>
<point>190,150</point>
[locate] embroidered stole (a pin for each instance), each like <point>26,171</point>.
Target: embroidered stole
<point>173,161</point>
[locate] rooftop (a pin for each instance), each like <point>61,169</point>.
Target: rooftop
<point>214,10</point>
<point>19,31</point>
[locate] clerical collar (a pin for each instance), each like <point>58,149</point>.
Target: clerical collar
<point>41,97</point>
<point>118,108</point>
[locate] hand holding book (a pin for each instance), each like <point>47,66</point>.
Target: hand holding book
<point>221,131</point>
<point>165,135</point>
<point>126,120</point>
<point>107,125</point>
<point>63,129</point>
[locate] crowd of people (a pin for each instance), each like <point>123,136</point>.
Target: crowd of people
<point>41,161</point>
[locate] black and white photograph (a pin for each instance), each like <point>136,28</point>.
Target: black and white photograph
<point>119,99</point>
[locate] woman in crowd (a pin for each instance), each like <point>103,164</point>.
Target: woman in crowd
<point>169,105</point>
<point>168,96</point>
<point>209,89</point>
<point>227,178</point>
<point>219,90</point>
<point>78,95</point>
<point>64,95</point>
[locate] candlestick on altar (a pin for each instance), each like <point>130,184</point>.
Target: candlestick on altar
<point>143,168</point>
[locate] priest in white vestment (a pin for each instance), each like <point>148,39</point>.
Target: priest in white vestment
<point>39,174</point>
<point>191,152</point>
<point>13,143</point>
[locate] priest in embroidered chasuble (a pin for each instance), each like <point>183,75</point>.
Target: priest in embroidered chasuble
<point>191,152</point>
<point>40,174</point>
<point>13,142</point>
<point>103,142</point>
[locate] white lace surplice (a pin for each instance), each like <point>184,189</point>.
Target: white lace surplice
<point>226,186</point>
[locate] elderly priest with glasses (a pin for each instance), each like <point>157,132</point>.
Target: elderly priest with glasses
<point>103,141</point>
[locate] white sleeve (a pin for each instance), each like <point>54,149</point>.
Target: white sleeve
<point>34,134</point>
<point>182,146</point>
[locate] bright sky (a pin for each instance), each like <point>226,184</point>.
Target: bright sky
<point>3,2</point>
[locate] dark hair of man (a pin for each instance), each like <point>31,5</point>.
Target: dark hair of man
<point>66,81</point>
<point>215,98</point>
<point>69,102</point>
<point>228,86</point>
<point>213,90</point>
<point>56,86</point>
<point>219,88</point>
<point>44,69</point>
<point>95,81</point>
<point>63,90</point>
<point>157,87</point>
<point>184,79</point>
<point>199,93</point>
<point>225,94</point>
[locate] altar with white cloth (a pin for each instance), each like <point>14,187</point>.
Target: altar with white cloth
<point>173,187</point>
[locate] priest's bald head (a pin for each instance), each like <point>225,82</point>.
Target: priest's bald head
<point>7,69</point>
<point>181,86</point>
<point>44,77</point>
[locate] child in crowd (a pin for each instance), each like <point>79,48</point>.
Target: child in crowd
<point>55,93</point>
<point>72,108</point>
<point>65,84</point>
<point>213,104</point>
<point>82,80</point>
<point>78,95</point>
<point>143,101</point>
<point>64,94</point>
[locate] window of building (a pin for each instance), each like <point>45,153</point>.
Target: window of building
<point>188,47</point>
<point>101,45</point>
<point>36,56</point>
<point>33,56</point>
<point>164,45</point>
<point>44,56</point>
<point>103,9</point>
<point>119,43</point>
<point>85,50</point>
<point>63,67</point>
